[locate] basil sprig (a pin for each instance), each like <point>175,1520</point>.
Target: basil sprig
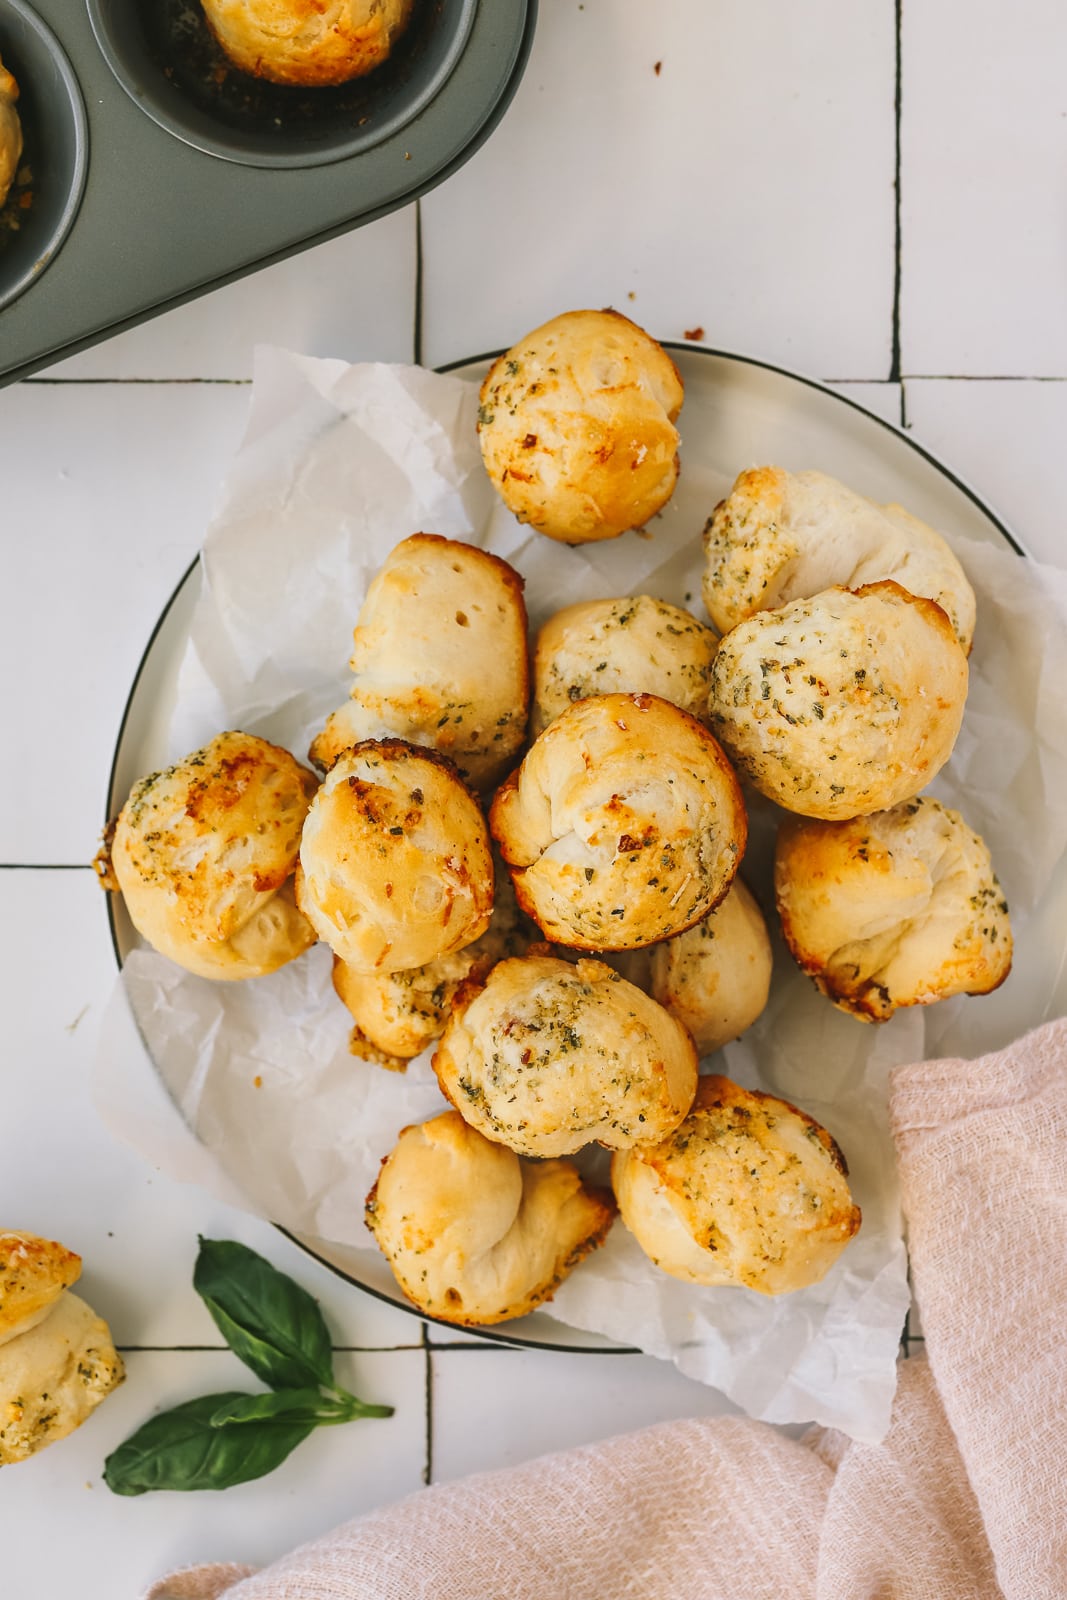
<point>218,1440</point>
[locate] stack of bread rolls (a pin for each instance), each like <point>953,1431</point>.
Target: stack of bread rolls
<point>572,984</point>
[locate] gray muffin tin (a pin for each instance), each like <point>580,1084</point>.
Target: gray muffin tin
<point>157,174</point>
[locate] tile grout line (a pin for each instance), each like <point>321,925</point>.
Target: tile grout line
<point>894,361</point>
<point>61,383</point>
<point>416,336</point>
<point>46,866</point>
<point>427,1469</point>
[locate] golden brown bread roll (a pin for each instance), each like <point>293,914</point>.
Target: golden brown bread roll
<point>440,659</point>
<point>842,704</point>
<point>715,977</point>
<point>749,1190</point>
<point>204,854</point>
<point>398,1014</point>
<point>53,1376</point>
<point>307,42</point>
<point>33,1274</point>
<point>900,908</point>
<point>546,1056</point>
<point>473,1233</point>
<point>10,132</point>
<point>781,536</point>
<point>623,825</point>
<point>635,645</point>
<point>395,865</point>
<point>576,426</point>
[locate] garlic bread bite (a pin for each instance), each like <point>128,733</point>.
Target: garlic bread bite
<point>843,704</point>
<point>781,536</point>
<point>748,1191</point>
<point>310,43</point>
<point>633,645</point>
<point>715,977</point>
<point>204,854</point>
<point>440,659</point>
<point>623,825</point>
<point>901,908</point>
<point>546,1056</point>
<point>576,426</point>
<point>398,1014</point>
<point>473,1233</point>
<point>10,132</point>
<point>57,1361</point>
<point>395,865</point>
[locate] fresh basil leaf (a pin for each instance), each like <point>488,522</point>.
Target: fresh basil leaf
<point>274,1326</point>
<point>180,1449</point>
<point>289,1405</point>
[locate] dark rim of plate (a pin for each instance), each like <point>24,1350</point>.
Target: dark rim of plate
<point>494,1334</point>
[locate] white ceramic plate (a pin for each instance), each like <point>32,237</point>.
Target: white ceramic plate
<point>737,412</point>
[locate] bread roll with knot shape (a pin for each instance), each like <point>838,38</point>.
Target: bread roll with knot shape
<point>748,1191</point>
<point>715,977</point>
<point>576,426</point>
<point>308,43</point>
<point>53,1377</point>
<point>546,1056</point>
<point>33,1274</point>
<point>10,132</point>
<point>623,825</point>
<point>781,536</point>
<point>901,908</point>
<point>440,659</point>
<point>474,1234</point>
<point>395,865</point>
<point>635,645</point>
<point>843,704</point>
<point>204,854</point>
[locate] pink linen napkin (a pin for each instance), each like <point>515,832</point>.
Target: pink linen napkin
<point>965,1499</point>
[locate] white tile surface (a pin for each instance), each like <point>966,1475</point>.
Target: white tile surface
<point>746,189</point>
<point>983,149</point>
<point>1006,439</point>
<point>110,488</point>
<point>881,398</point>
<point>110,1547</point>
<point>67,1178</point>
<point>550,1402</point>
<point>351,297</point>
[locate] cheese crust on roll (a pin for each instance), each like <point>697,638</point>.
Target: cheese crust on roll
<point>547,1056</point>
<point>395,864</point>
<point>748,1191</point>
<point>475,1234</point>
<point>33,1274</point>
<point>576,426</point>
<point>53,1376</point>
<point>204,854</point>
<point>901,908</point>
<point>843,704</point>
<point>636,645</point>
<point>10,132</point>
<point>781,536</point>
<point>440,658</point>
<point>309,43</point>
<point>623,825</point>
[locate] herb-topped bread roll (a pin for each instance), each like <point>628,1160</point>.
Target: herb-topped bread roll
<point>309,43</point>
<point>901,908</point>
<point>398,1014</point>
<point>623,825</point>
<point>781,536</point>
<point>577,426</point>
<point>396,868</point>
<point>57,1361</point>
<point>10,132</point>
<point>843,704</point>
<point>632,645</point>
<point>546,1056</point>
<point>748,1191</point>
<point>204,854</point>
<point>440,658</point>
<point>473,1233</point>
